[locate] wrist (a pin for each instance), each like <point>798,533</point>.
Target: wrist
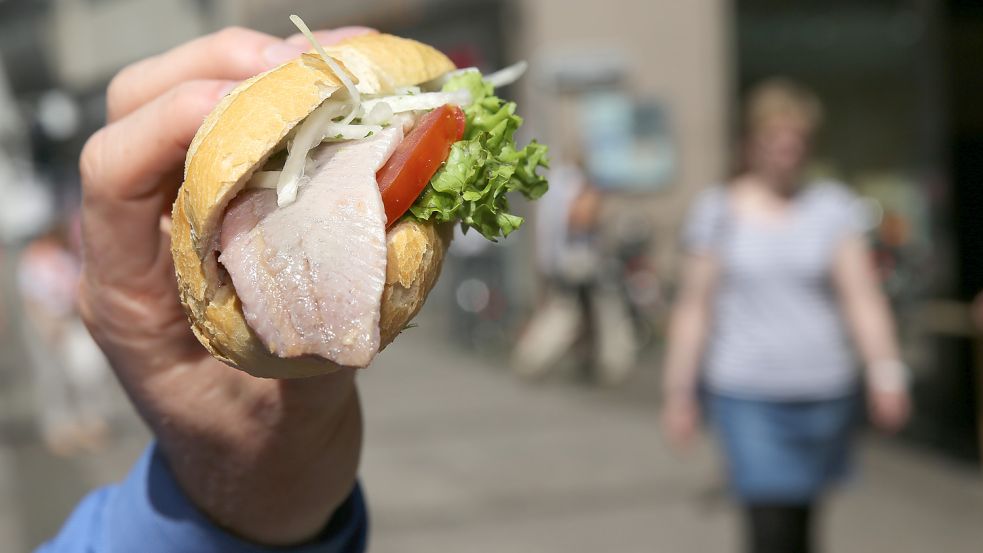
<point>888,376</point>
<point>680,394</point>
<point>273,469</point>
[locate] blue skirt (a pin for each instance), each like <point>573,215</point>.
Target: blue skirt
<point>784,451</point>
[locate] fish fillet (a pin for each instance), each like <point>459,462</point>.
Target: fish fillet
<point>310,275</point>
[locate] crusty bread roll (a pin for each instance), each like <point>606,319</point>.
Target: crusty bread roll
<point>235,140</point>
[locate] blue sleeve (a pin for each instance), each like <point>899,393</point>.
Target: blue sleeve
<point>148,512</point>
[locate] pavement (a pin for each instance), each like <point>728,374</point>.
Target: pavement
<point>460,456</point>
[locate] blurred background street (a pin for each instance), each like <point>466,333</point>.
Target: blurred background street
<point>523,412</point>
<point>461,457</point>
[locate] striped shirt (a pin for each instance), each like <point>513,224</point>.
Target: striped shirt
<point>776,329</point>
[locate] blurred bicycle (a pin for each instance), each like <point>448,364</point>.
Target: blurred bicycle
<point>598,297</point>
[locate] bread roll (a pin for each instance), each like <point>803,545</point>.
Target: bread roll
<point>235,140</point>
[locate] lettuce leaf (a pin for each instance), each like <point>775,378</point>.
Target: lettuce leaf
<point>483,167</point>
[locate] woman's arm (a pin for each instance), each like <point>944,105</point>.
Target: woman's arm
<point>688,328</point>
<point>872,328</point>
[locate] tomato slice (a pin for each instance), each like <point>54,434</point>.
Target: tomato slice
<point>417,158</point>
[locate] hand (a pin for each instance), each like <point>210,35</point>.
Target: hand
<point>889,409</point>
<point>269,460</point>
<point>680,419</point>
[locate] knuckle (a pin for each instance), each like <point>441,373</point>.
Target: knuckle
<point>85,304</point>
<point>90,312</point>
<point>114,92</point>
<point>90,161</point>
<point>189,97</point>
<point>230,37</point>
<point>120,88</point>
<point>236,46</point>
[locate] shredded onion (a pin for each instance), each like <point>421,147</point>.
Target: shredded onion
<point>507,75</point>
<point>308,135</point>
<point>321,126</point>
<point>338,131</point>
<point>407,120</point>
<point>353,93</point>
<point>264,179</point>
<point>414,102</point>
<point>379,114</point>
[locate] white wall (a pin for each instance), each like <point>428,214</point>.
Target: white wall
<point>677,51</point>
<point>90,41</point>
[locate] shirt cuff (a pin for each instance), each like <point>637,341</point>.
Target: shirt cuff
<point>149,512</point>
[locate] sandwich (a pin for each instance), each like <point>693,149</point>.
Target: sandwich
<point>319,198</point>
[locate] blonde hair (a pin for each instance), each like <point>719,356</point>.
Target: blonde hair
<point>781,99</point>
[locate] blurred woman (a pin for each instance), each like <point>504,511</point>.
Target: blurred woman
<point>777,284</point>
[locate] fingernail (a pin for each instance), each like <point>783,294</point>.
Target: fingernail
<point>227,88</point>
<point>282,52</point>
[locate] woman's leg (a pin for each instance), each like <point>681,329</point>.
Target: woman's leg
<point>549,335</point>
<point>779,528</point>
